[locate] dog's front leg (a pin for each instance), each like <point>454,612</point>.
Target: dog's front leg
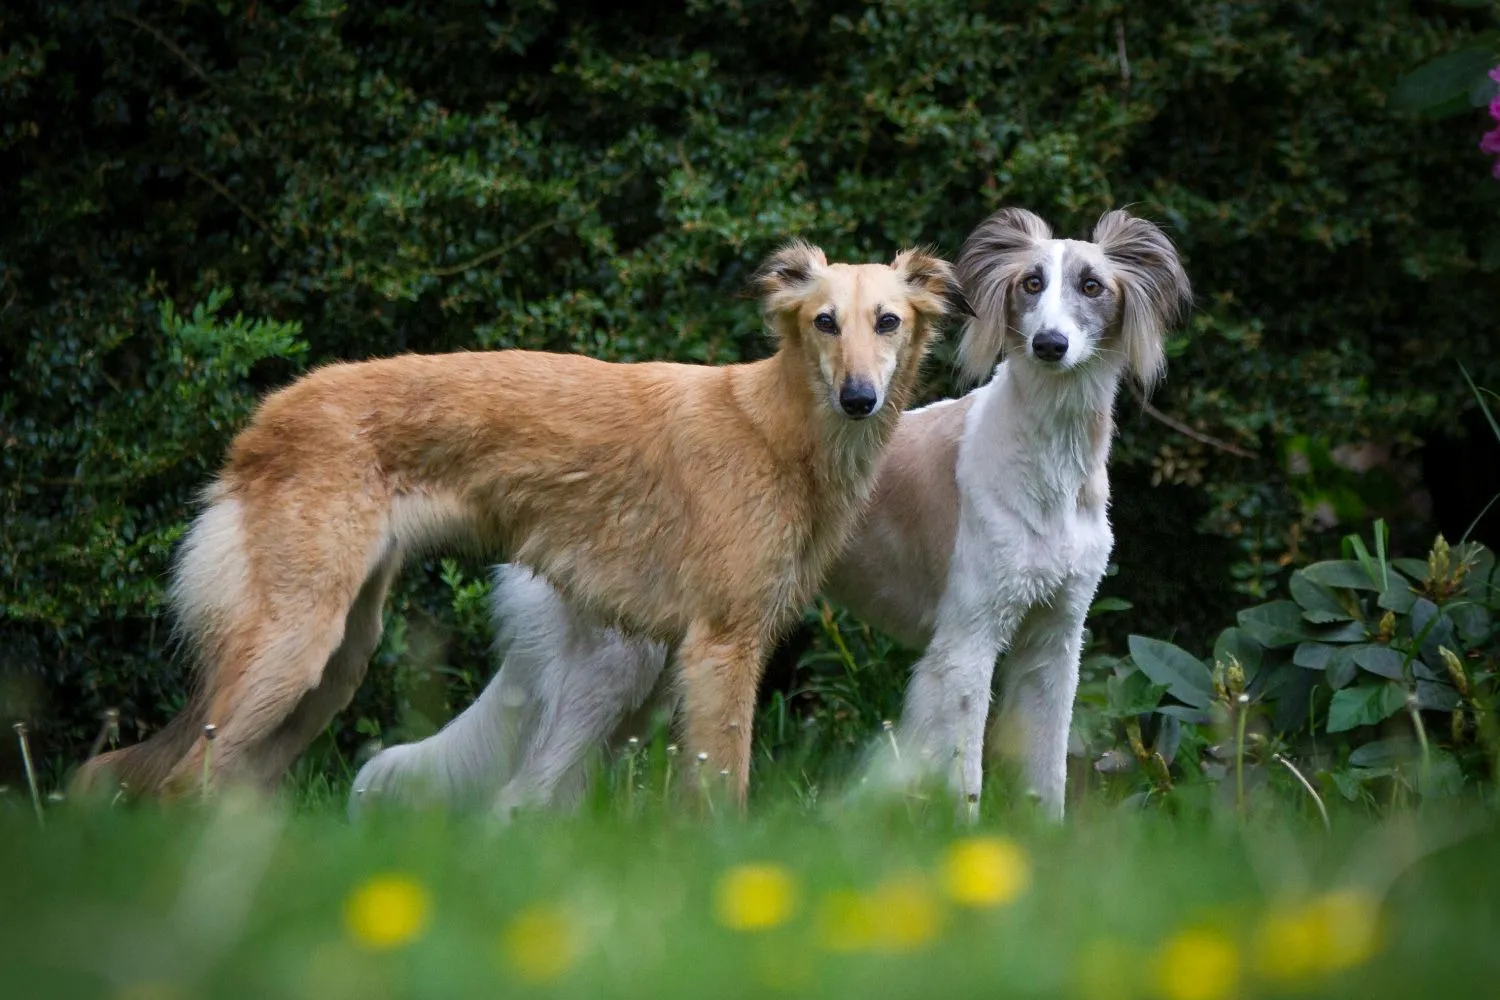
<point>1039,680</point>
<point>720,671</point>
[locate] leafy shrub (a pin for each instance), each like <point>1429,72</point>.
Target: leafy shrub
<point>1374,670</point>
<point>586,177</point>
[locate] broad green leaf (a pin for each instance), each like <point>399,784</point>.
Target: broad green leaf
<point>1339,632</point>
<point>1316,599</point>
<point>1383,753</point>
<point>1237,642</point>
<point>1414,568</point>
<point>1380,660</point>
<point>1436,696</point>
<point>1133,694</point>
<point>1186,713</point>
<point>1275,625</point>
<point>1472,621</point>
<point>1180,672</point>
<point>1345,573</point>
<point>1364,705</point>
<point>1313,655</point>
<point>1341,668</point>
<point>1399,598</point>
<point>1105,605</point>
<point>1437,82</point>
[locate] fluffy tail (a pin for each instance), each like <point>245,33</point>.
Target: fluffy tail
<point>208,582</point>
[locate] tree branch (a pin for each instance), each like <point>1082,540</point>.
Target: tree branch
<point>1185,430</point>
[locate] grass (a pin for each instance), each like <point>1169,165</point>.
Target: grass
<point>809,895</point>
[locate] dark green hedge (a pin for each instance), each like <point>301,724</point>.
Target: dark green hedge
<point>375,178</point>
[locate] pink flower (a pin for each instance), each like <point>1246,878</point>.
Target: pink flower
<point>1495,74</point>
<point>1495,107</point>
<point>1490,142</point>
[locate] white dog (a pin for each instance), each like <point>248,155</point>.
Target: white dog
<point>987,535</point>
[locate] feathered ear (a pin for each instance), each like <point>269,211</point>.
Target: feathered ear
<point>993,257</point>
<point>785,276</point>
<point>1154,289</point>
<point>935,292</point>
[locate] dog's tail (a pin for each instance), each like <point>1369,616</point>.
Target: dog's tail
<point>209,581</point>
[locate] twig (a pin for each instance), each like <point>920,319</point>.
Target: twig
<point>1185,430</point>
<point>1317,799</point>
<point>1120,51</point>
<point>491,254</point>
<point>180,53</point>
<point>36,797</point>
<point>229,196</point>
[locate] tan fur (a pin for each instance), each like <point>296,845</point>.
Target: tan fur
<point>694,504</point>
<point>900,554</point>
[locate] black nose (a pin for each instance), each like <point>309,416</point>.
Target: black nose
<point>1049,345</point>
<point>857,397</point>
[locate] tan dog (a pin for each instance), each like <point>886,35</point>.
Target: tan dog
<point>693,504</point>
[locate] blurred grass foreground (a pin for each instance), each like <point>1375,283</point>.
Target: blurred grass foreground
<point>854,897</point>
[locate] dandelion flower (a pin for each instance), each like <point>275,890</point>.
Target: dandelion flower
<point>1296,942</point>
<point>1198,964</point>
<point>541,943</point>
<point>387,911</point>
<point>985,872</point>
<point>899,915</point>
<point>755,897</point>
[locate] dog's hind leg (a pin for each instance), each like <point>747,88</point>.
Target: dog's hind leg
<point>1039,680</point>
<point>720,672</point>
<point>342,675</point>
<point>598,678</point>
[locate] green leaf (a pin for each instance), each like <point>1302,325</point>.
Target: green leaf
<point>1180,672</point>
<point>1472,621</point>
<point>1399,597</point>
<point>1383,753</point>
<point>1436,696</point>
<point>1341,668</point>
<point>1414,568</point>
<point>1133,694</point>
<point>1275,625</point>
<point>1345,573</point>
<point>1438,82</point>
<point>1313,655</point>
<point>1339,632</point>
<point>1237,642</point>
<point>1382,661</point>
<point>1105,605</point>
<point>1364,705</point>
<point>1319,603</point>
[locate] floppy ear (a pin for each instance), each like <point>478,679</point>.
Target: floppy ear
<point>1154,289</point>
<point>785,276</point>
<point>935,292</point>
<point>990,264</point>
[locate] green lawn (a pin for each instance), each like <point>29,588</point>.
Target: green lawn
<point>815,896</point>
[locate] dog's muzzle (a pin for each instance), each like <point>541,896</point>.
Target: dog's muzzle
<point>1049,346</point>
<point>857,398</point>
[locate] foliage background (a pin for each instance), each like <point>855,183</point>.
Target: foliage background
<point>198,200</point>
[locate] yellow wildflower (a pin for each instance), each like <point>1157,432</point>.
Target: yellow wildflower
<point>985,871</point>
<point>900,914</point>
<point>541,943</point>
<point>1301,941</point>
<point>1197,964</point>
<point>755,897</point>
<point>387,911</point>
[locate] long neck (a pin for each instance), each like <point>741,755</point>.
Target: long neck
<point>1058,428</point>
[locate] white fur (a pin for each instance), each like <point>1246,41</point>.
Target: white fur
<point>1032,542</point>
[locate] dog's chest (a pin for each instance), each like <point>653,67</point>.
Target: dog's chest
<point>1029,559</point>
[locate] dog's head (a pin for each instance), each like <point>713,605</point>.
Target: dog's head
<point>1067,305</point>
<point>860,326</point>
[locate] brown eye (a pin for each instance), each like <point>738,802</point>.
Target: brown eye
<point>825,323</point>
<point>887,323</point>
<point>1032,285</point>
<point>1091,287</point>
